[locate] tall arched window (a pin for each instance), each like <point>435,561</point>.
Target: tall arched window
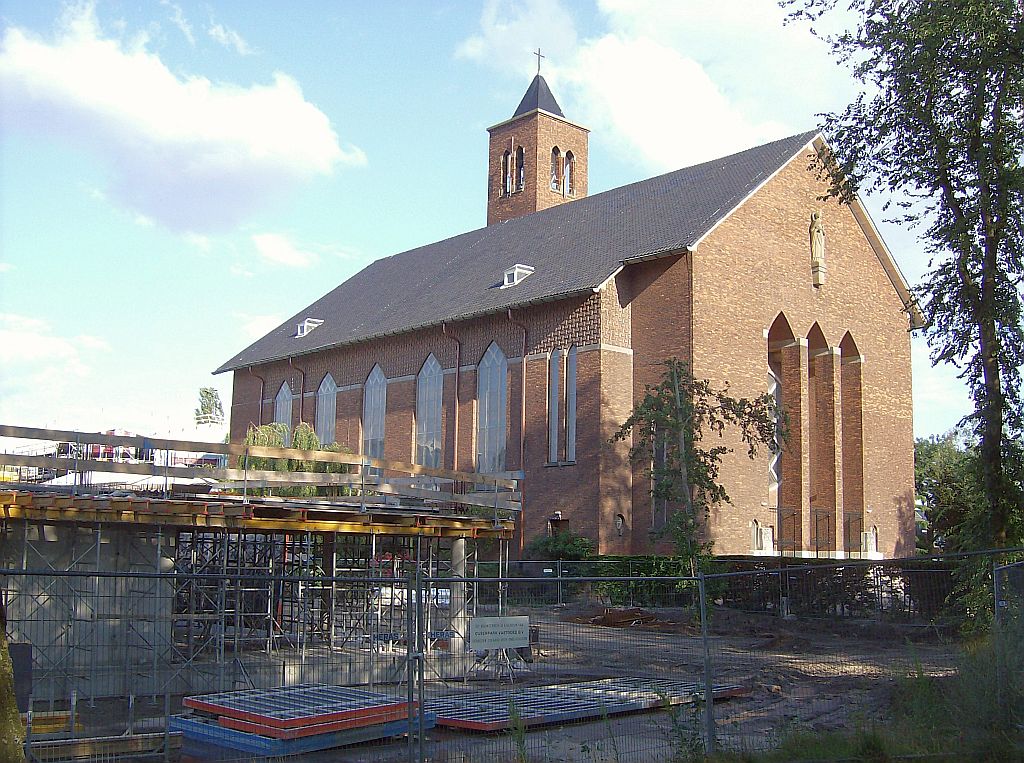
<point>570,173</point>
<point>506,173</point>
<point>429,385</point>
<point>283,411</point>
<point>520,168</point>
<point>775,455</point>
<point>554,375</point>
<point>570,405</point>
<point>491,399</point>
<point>375,393</point>
<point>326,410</point>
<point>852,435</point>
<point>556,169</point>
<point>785,483</point>
<point>821,439</point>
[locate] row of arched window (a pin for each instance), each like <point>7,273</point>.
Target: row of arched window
<point>832,405</point>
<point>513,175</point>
<point>563,172</point>
<point>491,420</point>
<point>513,172</point>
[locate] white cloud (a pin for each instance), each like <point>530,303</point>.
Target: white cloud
<point>179,20</point>
<point>240,271</point>
<point>6,267</point>
<point>254,326</point>
<point>202,243</point>
<point>670,84</point>
<point>277,248</point>
<point>188,153</point>
<point>675,118</point>
<point>229,38</point>
<point>40,370</point>
<point>509,31</point>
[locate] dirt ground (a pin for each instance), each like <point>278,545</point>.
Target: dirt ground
<point>818,675</point>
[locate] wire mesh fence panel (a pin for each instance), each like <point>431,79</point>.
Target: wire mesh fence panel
<point>572,674</point>
<point>533,666</point>
<point>823,654</point>
<point>1008,589</point>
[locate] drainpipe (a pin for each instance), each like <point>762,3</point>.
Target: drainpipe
<point>302,386</point>
<point>522,433</point>
<point>263,384</point>
<point>455,415</point>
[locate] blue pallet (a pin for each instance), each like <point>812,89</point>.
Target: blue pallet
<point>208,731</point>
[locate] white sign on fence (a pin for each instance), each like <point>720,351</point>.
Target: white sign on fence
<point>498,633</point>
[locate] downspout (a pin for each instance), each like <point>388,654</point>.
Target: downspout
<point>263,384</point>
<point>302,386</point>
<point>522,434</point>
<point>455,415</point>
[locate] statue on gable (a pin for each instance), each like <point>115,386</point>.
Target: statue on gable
<point>817,236</point>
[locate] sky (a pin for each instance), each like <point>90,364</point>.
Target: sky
<point>178,178</point>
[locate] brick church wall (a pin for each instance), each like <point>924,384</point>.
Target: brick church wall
<point>753,265</point>
<point>765,242</point>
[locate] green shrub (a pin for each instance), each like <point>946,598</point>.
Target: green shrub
<point>565,545</point>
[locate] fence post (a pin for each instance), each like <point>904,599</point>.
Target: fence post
<point>410,665</point>
<point>709,703</point>
<point>558,568</point>
<point>629,567</point>
<point>996,593</point>
<point>421,650</point>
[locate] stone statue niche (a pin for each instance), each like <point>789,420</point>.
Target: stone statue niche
<point>817,236</point>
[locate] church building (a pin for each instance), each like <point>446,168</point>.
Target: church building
<point>520,348</point>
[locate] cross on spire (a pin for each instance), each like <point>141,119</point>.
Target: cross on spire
<point>539,57</point>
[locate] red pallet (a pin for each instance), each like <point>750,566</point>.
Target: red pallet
<point>313,729</point>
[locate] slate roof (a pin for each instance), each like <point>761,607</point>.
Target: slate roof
<point>574,248</point>
<point>538,96</point>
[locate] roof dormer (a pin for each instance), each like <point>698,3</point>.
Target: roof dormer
<point>306,326</point>
<point>516,275</point>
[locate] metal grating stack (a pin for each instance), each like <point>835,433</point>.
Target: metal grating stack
<point>294,719</point>
<point>559,703</point>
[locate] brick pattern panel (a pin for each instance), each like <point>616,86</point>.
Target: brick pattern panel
<point>766,242</point>
<point>538,134</point>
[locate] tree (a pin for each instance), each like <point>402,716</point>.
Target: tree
<point>10,720</point>
<point>210,411</point>
<point>946,483</point>
<point>941,121</point>
<point>668,428</point>
<point>274,435</point>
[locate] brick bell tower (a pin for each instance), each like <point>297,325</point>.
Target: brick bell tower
<point>536,159</point>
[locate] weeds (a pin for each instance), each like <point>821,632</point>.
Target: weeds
<point>518,732</point>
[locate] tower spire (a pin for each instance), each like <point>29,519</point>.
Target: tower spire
<point>536,159</point>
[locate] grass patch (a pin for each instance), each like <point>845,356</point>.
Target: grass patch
<point>975,715</point>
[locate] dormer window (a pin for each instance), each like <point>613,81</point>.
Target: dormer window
<point>515,275</point>
<point>306,326</point>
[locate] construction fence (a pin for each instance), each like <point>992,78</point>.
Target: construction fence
<point>545,662</point>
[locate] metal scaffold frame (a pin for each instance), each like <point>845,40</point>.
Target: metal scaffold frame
<point>196,610</point>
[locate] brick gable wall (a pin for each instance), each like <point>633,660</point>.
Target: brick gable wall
<point>756,264</point>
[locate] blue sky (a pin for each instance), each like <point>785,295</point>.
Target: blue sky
<point>177,178</point>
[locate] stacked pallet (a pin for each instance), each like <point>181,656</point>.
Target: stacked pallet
<point>294,719</point>
<point>563,703</point>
